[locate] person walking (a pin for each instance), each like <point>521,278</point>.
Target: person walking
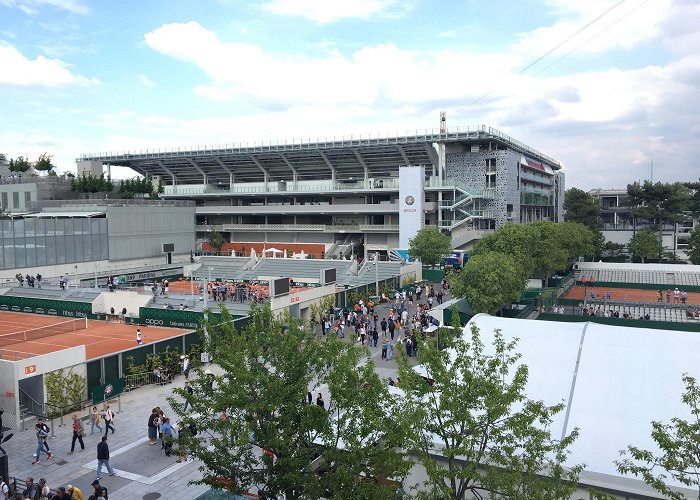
<point>109,416</point>
<point>78,431</point>
<point>95,420</point>
<point>40,443</point>
<point>103,458</point>
<point>320,402</point>
<point>189,391</point>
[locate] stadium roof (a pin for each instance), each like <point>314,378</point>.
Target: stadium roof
<point>307,159</point>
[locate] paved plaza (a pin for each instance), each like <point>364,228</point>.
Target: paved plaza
<point>142,471</point>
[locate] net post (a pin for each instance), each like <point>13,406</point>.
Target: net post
<point>119,403</point>
<point>61,424</point>
<point>86,322</point>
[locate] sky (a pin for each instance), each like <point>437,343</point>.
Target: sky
<point>607,87</point>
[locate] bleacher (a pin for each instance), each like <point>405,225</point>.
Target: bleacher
<point>662,275</point>
<point>232,269</point>
<point>54,293</point>
<point>676,314</point>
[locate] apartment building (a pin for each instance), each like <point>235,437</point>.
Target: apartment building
<point>619,224</point>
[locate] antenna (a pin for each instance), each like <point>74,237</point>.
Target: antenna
<point>651,169</point>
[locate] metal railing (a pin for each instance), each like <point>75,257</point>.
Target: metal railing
<point>159,377</point>
<point>69,204</point>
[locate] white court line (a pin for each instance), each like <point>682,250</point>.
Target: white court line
<point>130,475</point>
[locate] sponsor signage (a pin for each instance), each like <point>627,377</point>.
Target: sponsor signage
<point>411,198</point>
<point>134,277</point>
<point>28,370</point>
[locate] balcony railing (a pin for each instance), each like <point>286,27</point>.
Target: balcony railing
<point>332,228</point>
<point>541,179</point>
<point>288,187</point>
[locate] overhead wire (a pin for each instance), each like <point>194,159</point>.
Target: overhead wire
<point>559,45</point>
<point>592,37</point>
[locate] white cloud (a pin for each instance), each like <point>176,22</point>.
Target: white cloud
<point>32,6</point>
<point>147,82</point>
<point>623,27</point>
<point>328,11</point>
<point>40,72</point>
<point>378,76</point>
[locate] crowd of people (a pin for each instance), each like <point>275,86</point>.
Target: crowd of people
<point>220,291</point>
<point>32,281</point>
<point>398,328</point>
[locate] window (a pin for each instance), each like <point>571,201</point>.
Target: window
<point>4,201</point>
<point>15,200</point>
<point>490,173</point>
<point>27,199</point>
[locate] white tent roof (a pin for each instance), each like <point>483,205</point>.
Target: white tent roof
<point>273,250</point>
<point>624,379</point>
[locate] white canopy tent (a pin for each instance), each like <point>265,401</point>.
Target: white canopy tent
<point>614,380</point>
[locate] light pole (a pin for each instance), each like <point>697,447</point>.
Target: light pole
<point>206,288</point>
<point>96,286</point>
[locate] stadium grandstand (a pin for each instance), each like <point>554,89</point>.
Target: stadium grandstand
<point>335,197</point>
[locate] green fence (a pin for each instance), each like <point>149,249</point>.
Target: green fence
<point>633,323</point>
<point>50,307</point>
<point>173,318</point>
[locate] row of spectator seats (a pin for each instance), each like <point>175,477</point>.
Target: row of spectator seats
<point>676,315</point>
<point>657,277</point>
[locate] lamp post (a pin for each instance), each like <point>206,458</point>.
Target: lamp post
<point>206,288</point>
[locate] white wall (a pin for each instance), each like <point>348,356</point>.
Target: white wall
<point>119,300</point>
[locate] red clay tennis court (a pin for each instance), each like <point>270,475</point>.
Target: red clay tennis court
<point>25,335</point>
<point>628,294</point>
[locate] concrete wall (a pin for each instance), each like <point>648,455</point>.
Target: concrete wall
<point>119,300</point>
<point>11,372</point>
<point>51,273</point>
<point>140,231</point>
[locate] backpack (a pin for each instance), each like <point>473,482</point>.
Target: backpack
<point>5,488</point>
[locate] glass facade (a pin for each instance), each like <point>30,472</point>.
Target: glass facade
<point>46,241</point>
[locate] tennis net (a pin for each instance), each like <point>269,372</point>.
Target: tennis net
<point>41,332</point>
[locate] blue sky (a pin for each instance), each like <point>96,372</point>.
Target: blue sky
<point>80,77</point>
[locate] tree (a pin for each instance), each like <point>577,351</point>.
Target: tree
<point>581,207</point>
<point>494,440</point>
<point>516,240</point>
<point>430,246</point>
<point>644,245</point>
<point>215,240</point>
<point>43,163</point>
<point>678,445</point>
<point>660,202</point>
<point>489,281</point>
<point>258,404</point>
<point>88,183</point>
<point>694,246</point>
<point>20,164</point>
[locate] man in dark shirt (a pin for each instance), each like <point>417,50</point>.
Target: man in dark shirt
<point>103,458</point>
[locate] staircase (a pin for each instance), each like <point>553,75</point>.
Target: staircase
<point>463,236</point>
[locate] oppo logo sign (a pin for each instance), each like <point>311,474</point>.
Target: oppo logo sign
<point>154,322</point>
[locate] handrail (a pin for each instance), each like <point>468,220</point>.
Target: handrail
<point>34,404</point>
